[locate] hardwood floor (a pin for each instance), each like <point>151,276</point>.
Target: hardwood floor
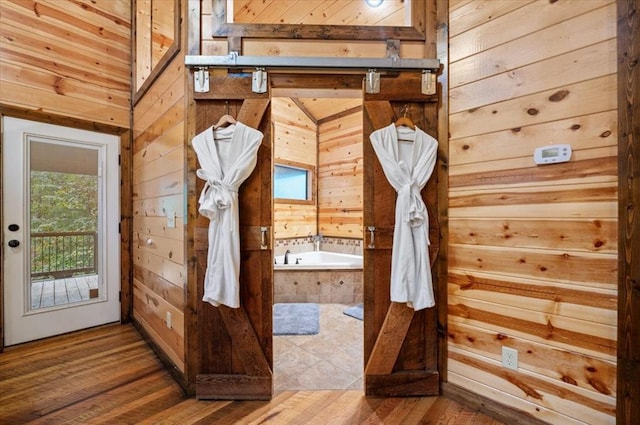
<point>109,375</point>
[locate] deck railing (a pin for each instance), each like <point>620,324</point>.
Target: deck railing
<point>63,254</point>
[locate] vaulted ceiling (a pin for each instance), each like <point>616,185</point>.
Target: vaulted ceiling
<point>322,108</point>
<point>319,104</point>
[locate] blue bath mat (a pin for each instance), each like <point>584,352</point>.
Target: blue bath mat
<point>296,319</point>
<point>356,311</point>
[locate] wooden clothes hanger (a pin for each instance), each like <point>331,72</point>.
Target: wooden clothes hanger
<point>226,119</point>
<point>404,120</point>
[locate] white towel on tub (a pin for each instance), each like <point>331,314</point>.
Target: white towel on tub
<point>408,166</point>
<point>227,157</point>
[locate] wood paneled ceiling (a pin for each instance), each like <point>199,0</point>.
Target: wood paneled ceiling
<point>320,104</point>
<point>321,108</point>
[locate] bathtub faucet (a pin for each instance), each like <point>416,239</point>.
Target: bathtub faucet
<point>286,256</point>
<point>316,241</point>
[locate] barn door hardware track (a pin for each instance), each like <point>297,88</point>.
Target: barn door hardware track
<point>370,66</point>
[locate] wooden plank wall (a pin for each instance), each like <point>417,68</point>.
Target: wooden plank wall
<point>340,176</point>
<point>295,142</point>
<point>304,9</point>
<point>533,249</point>
<point>155,29</point>
<point>335,12</point>
<point>159,250</point>
<point>67,58</point>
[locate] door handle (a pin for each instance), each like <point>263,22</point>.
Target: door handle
<point>14,243</point>
<point>14,227</point>
<point>263,237</point>
<point>372,237</point>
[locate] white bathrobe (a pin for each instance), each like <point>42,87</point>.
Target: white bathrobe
<point>408,166</point>
<point>227,157</point>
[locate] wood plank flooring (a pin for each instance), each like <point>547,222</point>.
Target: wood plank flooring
<point>55,292</point>
<point>109,375</point>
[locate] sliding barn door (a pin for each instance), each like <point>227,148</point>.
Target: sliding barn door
<point>236,345</point>
<point>400,345</point>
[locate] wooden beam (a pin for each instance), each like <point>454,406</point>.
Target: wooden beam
<point>244,341</point>
<point>303,85</point>
<point>403,384</point>
<point>404,87</point>
<point>381,115</point>
<point>340,115</point>
<point>126,227</point>
<point>233,387</point>
<point>229,87</point>
<point>192,326</point>
<point>304,110</point>
<point>194,16</point>
<point>252,111</point>
<point>218,16</point>
<point>628,391</point>
<point>442,172</point>
<point>387,347</point>
<point>316,32</point>
<point>50,118</point>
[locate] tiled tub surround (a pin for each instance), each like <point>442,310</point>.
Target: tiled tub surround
<point>321,260</point>
<point>319,285</point>
<point>326,243</point>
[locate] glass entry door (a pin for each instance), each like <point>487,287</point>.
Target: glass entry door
<point>61,212</point>
<point>64,201</point>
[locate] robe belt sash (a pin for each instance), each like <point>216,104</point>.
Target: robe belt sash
<point>216,194</point>
<point>409,204</point>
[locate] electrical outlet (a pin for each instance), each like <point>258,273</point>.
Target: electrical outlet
<point>510,358</point>
<point>168,320</point>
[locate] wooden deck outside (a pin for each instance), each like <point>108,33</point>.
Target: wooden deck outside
<point>109,375</point>
<point>55,292</point>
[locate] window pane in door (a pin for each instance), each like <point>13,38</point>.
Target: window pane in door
<point>64,203</point>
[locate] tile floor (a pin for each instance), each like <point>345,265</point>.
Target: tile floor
<point>330,360</point>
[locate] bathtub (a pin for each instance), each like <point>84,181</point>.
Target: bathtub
<point>319,260</point>
<point>319,277</point>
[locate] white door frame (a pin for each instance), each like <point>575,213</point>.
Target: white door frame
<point>21,324</point>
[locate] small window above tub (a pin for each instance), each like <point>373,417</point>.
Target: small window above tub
<point>293,183</point>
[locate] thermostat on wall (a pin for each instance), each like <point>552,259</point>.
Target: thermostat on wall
<point>552,154</point>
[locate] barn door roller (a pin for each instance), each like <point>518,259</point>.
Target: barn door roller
<point>259,81</point>
<point>261,64</point>
<point>372,82</point>
<point>201,80</point>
